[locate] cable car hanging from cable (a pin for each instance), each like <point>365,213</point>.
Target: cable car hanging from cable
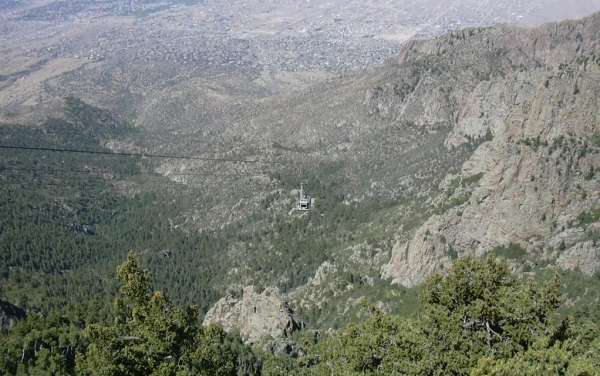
<point>305,201</point>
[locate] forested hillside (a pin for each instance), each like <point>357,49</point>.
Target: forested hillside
<point>69,218</point>
<point>81,214</point>
<point>478,319</point>
<point>150,192</point>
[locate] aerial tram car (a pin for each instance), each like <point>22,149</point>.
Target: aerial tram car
<point>305,201</point>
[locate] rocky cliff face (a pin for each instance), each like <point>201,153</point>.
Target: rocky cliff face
<point>9,315</point>
<point>257,316</point>
<point>530,97</point>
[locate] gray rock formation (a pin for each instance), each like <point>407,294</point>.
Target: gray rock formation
<point>583,257</point>
<point>286,347</point>
<point>10,315</point>
<point>257,316</point>
<point>532,97</point>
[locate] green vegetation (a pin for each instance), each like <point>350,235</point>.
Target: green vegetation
<point>477,320</point>
<point>583,289</point>
<point>144,335</point>
<point>150,336</point>
<point>452,253</point>
<point>340,307</point>
<point>589,217</point>
<point>512,251</point>
<point>533,143</point>
<point>458,192</point>
<point>67,221</point>
<point>453,202</point>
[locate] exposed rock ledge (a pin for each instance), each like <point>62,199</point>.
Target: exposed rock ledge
<point>583,257</point>
<point>536,171</point>
<point>9,315</point>
<point>257,316</point>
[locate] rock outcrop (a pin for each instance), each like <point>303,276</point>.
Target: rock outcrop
<point>10,315</point>
<point>257,316</point>
<point>530,99</point>
<point>583,257</point>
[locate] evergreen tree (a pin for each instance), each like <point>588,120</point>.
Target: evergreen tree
<point>479,320</point>
<point>150,336</point>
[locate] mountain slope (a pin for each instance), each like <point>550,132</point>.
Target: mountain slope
<point>534,184</point>
<point>479,141</point>
<point>483,141</point>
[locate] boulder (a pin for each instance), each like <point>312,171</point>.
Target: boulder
<point>257,316</point>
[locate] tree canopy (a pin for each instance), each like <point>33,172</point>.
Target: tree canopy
<point>477,320</point>
<point>150,336</point>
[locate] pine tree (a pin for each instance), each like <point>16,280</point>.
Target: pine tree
<point>150,336</point>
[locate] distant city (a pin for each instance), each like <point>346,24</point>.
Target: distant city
<point>253,35</point>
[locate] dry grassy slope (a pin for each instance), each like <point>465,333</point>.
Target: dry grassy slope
<point>332,122</point>
<point>536,91</point>
<point>327,131</point>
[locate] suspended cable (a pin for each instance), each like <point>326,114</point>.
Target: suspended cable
<point>92,172</point>
<point>50,171</point>
<point>140,155</point>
